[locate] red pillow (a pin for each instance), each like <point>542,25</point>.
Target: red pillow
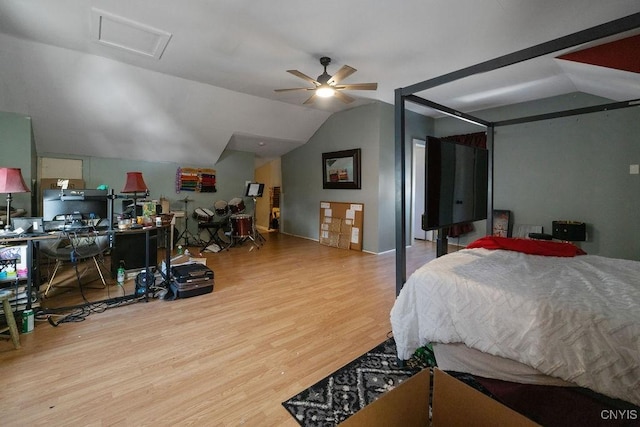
<point>528,246</point>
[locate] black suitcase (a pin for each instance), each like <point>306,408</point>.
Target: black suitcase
<point>190,280</point>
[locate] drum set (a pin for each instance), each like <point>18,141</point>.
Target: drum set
<point>227,225</point>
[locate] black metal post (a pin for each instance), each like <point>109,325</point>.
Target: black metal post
<point>401,226</point>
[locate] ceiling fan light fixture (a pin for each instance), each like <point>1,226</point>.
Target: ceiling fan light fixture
<point>326,86</point>
<point>325,91</point>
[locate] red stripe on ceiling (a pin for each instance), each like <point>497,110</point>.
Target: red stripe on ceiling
<point>621,54</point>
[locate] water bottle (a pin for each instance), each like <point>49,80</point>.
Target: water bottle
<point>179,249</point>
<point>121,273</point>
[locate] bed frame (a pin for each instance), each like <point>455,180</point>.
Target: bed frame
<point>407,95</point>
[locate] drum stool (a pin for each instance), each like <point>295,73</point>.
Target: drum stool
<point>11,321</point>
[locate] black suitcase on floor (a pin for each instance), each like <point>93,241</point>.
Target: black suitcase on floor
<point>190,280</point>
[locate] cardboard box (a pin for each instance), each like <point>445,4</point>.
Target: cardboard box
<point>454,403</point>
<point>406,405</point>
<point>457,404</point>
<point>55,183</point>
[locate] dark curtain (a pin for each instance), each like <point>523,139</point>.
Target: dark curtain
<point>479,140</point>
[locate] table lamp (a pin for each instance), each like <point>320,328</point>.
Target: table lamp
<point>135,184</point>
<point>11,182</point>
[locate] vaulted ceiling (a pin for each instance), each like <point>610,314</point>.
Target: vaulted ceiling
<point>182,81</point>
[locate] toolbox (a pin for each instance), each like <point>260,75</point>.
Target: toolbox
<point>190,280</point>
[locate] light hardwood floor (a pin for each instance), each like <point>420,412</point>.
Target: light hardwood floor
<point>280,318</point>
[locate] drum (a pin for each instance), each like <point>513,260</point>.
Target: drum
<point>221,207</point>
<point>203,214</point>
<point>241,225</point>
<point>236,205</point>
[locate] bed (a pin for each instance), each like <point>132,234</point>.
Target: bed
<point>535,312</point>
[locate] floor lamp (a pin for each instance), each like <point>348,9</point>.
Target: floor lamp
<point>135,184</point>
<point>11,182</point>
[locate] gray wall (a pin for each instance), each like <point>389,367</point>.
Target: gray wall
<point>16,140</point>
<point>416,127</point>
<point>370,128</point>
<point>233,170</point>
<point>302,189</point>
<point>573,168</point>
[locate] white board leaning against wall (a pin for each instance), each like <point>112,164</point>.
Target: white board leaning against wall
<point>60,168</point>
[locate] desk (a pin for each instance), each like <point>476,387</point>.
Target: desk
<point>129,247</point>
<point>33,240</point>
<point>150,249</point>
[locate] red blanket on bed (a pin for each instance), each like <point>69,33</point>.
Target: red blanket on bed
<point>528,246</point>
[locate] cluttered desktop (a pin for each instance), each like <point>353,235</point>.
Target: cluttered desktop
<point>84,217</point>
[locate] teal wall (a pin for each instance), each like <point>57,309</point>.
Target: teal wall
<point>417,127</point>
<point>233,170</point>
<point>18,152</point>
<point>370,128</point>
<point>302,189</point>
<point>572,168</point>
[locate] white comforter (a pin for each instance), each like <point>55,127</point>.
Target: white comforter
<point>573,318</point>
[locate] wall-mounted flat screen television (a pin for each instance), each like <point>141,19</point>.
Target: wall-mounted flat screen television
<point>456,184</point>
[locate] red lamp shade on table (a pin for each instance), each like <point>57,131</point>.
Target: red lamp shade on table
<point>135,183</point>
<point>11,182</point>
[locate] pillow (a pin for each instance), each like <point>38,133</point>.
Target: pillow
<point>528,246</point>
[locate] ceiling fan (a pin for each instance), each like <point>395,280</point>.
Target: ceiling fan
<point>326,85</point>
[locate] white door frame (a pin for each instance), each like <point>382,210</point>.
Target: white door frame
<point>417,191</point>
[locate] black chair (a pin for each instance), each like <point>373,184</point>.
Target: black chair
<point>74,247</point>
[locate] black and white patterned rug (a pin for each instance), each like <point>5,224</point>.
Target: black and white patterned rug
<point>352,387</point>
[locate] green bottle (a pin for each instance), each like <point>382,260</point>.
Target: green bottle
<point>121,274</point>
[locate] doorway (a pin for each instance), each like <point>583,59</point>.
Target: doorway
<point>417,192</point>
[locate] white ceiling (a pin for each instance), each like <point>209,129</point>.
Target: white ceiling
<point>212,86</point>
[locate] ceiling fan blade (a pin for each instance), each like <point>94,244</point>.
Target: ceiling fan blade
<point>311,99</point>
<point>358,86</point>
<point>294,88</point>
<point>304,77</point>
<point>343,97</point>
<point>341,74</point>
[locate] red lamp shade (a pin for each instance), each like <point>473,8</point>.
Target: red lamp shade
<point>135,183</point>
<point>11,181</point>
